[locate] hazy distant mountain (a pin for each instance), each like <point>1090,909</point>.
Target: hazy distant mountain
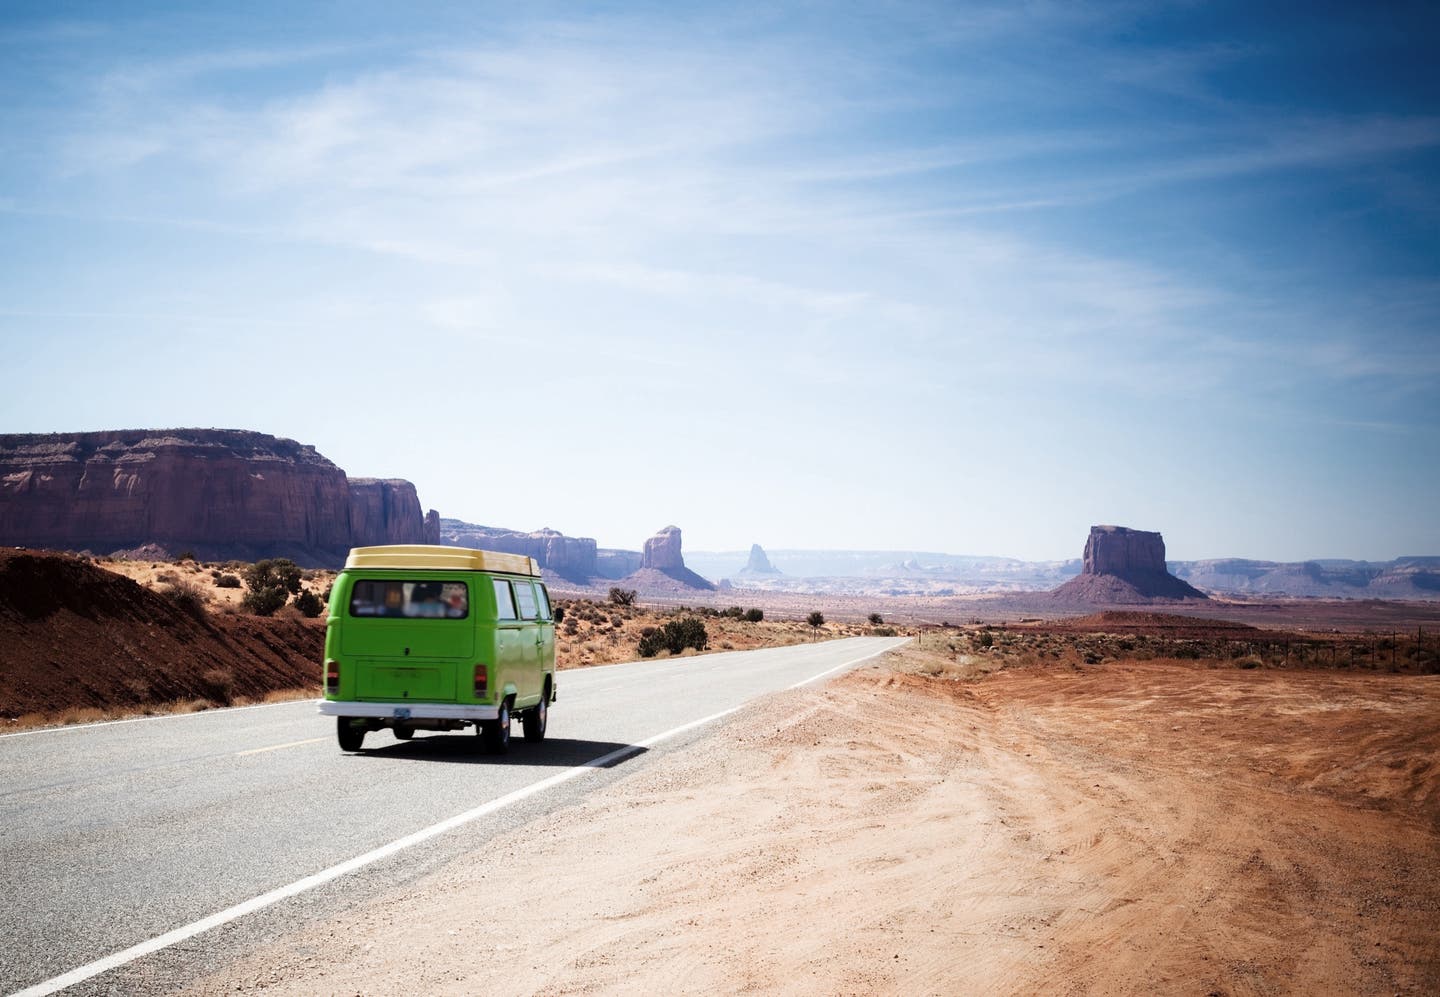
<point>896,572</point>
<point>889,572</point>
<point>910,572</point>
<point>1402,578</point>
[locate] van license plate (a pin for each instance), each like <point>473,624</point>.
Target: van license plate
<point>402,713</point>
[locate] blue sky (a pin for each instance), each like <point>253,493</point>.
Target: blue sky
<point>957,277</point>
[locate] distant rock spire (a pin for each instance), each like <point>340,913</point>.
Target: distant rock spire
<point>759,564</point>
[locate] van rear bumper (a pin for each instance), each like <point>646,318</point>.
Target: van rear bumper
<point>409,711</point>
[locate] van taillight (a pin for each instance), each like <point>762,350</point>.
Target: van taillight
<point>482,682</point>
<point>332,676</point>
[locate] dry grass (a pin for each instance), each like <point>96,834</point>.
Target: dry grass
<point>91,715</point>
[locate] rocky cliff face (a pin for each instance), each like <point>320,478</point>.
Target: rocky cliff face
<point>758,564</point>
<point>220,493</point>
<point>1122,565</point>
<point>384,511</point>
<point>573,558</point>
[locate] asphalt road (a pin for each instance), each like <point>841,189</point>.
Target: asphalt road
<point>113,835</point>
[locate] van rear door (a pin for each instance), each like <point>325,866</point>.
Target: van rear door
<point>412,638</point>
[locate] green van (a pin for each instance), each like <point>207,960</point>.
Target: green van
<point>423,637</point>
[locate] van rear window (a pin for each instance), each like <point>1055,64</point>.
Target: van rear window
<point>410,599</point>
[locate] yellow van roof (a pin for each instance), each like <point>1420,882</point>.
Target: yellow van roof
<point>431,557</point>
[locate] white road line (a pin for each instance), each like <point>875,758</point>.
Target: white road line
<point>118,959</point>
<point>277,747</point>
<point>71,728</point>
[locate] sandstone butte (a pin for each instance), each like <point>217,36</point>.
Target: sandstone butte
<point>218,493</point>
<point>1122,565</point>
<point>662,566</point>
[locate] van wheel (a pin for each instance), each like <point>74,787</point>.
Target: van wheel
<point>350,736</point>
<point>495,734</point>
<point>404,732</point>
<point>537,717</point>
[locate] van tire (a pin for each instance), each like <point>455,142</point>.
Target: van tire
<point>495,734</point>
<point>403,732</point>
<point>350,736</point>
<point>537,717</point>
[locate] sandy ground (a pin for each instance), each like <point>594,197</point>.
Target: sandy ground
<point>1136,827</point>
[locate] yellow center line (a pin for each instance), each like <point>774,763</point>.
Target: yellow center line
<point>277,747</point>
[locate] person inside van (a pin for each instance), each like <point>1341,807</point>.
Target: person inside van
<point>425,600</point>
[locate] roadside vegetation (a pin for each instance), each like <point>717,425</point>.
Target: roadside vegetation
<point>973,651</point>
<point>272,587</point>
<point>591,632</point>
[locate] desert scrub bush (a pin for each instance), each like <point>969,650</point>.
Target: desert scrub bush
<point>622,597</point>
<point>754,615</point>
<point>734,613</point>
<point>217,684</point>
<point>271,582</point>
<point>309,604</point>
<point>559,612</point>
<point>188,597</point>
<point>279,572</point>
<point>263,602</point>
<point>816,620</point>
<point>876,619</point>
<point>674,636</point>
<point>883,631</point>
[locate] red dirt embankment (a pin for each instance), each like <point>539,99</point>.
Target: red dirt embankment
<point>77,637</point>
